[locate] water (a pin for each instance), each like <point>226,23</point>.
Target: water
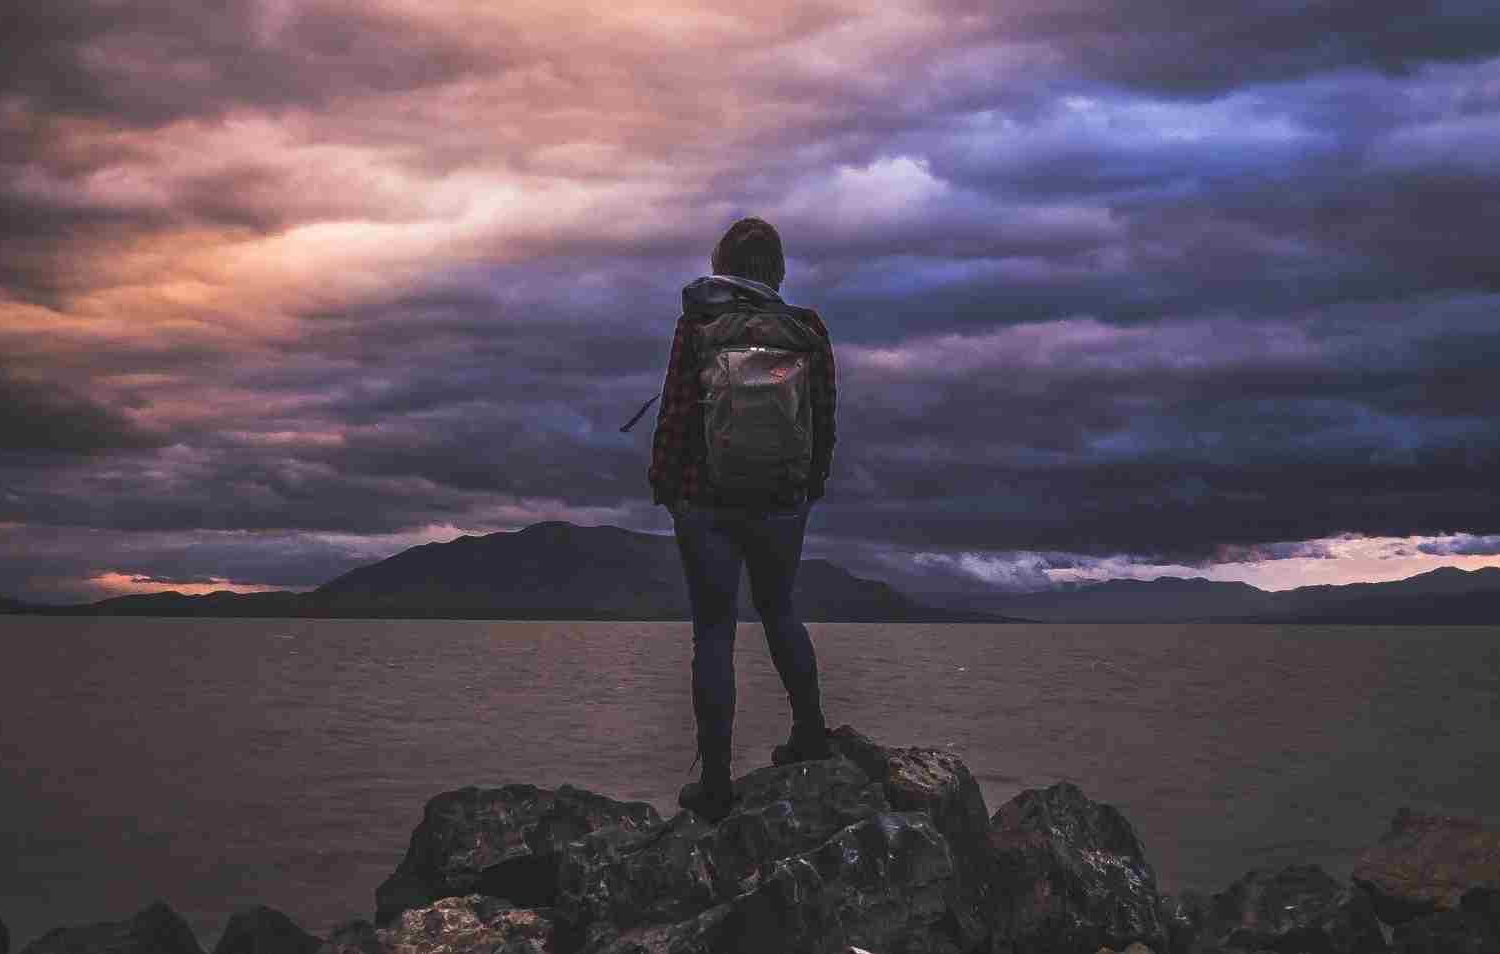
<point>216,763</point>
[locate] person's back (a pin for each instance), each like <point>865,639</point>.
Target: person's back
<point>756,375</point>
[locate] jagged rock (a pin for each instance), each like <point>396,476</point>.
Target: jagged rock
<point>1473,929</point>
<point>473,924</point>
<point>1069,874</point>
<point>502,842</point>
<point>1446,932</point>
<point>938,783</point>
<point>155,929</point>
<point>263,930</point>
<point>698,935</point>
<point>883,884</point>
<point>1425,863</point>
<point>1483,901</point>
<point>671,874</point>
<point>1299,908</point>
<point>1182,918</point>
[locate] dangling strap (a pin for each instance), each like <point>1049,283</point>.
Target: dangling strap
<point>631,423</point>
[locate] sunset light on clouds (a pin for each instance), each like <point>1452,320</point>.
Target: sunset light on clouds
<point>1117,288</point>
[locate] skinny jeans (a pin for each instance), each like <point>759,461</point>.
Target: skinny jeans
<point>714,541</point>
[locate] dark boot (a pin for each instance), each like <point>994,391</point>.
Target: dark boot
<point>712,796</point>
<point>807,742</point>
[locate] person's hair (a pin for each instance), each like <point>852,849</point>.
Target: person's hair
<point>750,249</point>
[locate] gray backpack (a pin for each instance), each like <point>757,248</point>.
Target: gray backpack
<point>755,365</point>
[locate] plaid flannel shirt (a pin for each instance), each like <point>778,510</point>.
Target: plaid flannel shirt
<point>674,471</point>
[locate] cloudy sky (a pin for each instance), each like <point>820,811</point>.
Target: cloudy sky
<point>1117,287</point>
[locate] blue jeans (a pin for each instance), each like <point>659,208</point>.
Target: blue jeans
<point>713,541</point>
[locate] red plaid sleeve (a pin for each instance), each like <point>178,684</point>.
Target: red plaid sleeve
<point>673,472</point>
<point>824,397</point>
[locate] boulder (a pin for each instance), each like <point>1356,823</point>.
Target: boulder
<point>1182,918</point>
<point>1472,929</point>
<point>675,872</point>
<point>1299,908</point>
<point>502,842</point>
<point>155,929</point>
<point>1069,874</point>
<point>881,884</point>
<point>885,884</point>
<point>938,783</point>
<point>1425,863</point>
<point>473,924</point>
<point>263,930</point>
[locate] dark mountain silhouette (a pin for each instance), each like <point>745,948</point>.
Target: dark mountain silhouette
<point>551,570</point>
<point>1161,600</point>
<point>1447,595</point>
<point>557,570</point>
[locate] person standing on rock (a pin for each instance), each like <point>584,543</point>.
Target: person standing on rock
<point>743,445</point>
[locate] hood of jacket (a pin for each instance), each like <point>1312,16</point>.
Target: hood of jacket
<point>713,293</point>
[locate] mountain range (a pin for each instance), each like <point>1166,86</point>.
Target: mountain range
<point>550,570</point>
<point>557,570</point>
<point>1446,595</point>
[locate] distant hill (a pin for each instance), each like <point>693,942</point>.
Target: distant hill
<point>557,570</point>
<point>551,570</point>
<point>1447,595</point>
<point>13,606</point>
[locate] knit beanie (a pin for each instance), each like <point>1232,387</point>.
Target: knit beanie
<point>750,249</point>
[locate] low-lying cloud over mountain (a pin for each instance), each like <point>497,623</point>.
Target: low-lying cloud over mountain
<point>1117,288</point>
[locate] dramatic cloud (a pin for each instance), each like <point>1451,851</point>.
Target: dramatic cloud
<point>1115,286</point>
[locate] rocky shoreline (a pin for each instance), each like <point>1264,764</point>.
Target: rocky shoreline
<point>880,849</point>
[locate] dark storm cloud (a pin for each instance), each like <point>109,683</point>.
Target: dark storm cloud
<point>1175,439</point>
<point>1183,48</point>
<point>430,407</point>
<point>1352,187</point>
<point>48,415</point>
<point>152,61</point>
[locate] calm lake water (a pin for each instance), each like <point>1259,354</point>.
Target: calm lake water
<point>220,763</point>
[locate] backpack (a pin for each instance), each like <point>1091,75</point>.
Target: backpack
<point>755,365</point>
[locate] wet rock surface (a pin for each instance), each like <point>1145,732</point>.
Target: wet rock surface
<point>1299,908</point>
<point>1426,863</point>
<point>156,929</point>
<point>1069,874</point>
<point>502,842</point>
<point>263,930</point>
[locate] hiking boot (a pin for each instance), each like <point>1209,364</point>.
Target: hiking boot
<point>712,796</point>
<point>803,746</point>
<point>711,803</point>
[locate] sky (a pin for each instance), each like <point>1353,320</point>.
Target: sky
<point>1117,288</point>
